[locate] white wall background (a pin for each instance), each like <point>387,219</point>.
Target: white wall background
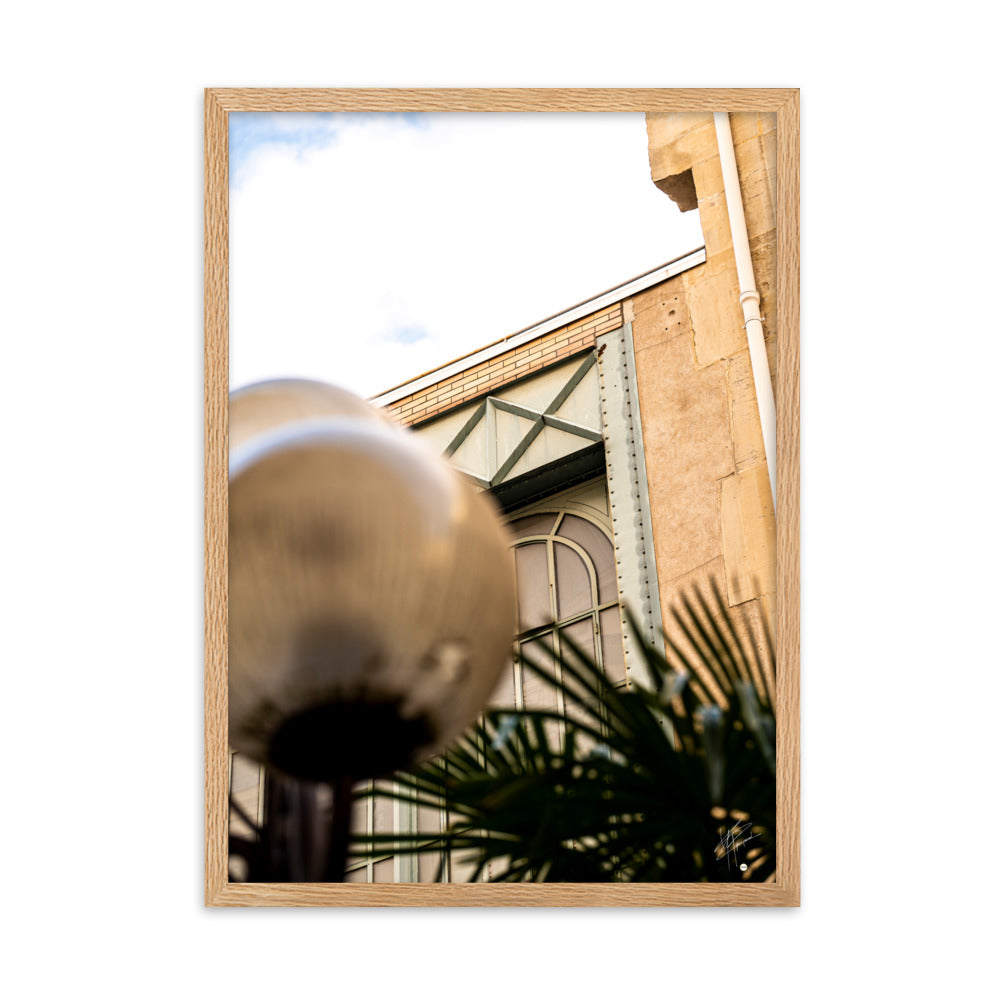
<point>101,300</point>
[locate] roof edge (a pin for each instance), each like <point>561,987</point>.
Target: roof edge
<point>616,294</point>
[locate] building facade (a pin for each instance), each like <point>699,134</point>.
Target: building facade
<point>622,438</point>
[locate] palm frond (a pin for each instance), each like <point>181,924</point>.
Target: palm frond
<point>667,781</point>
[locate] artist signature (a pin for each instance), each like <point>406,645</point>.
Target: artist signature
<point>731,842</point>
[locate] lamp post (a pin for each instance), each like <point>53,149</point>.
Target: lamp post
<point>371,593</point>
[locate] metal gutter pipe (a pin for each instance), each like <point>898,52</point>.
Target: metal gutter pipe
<point>749,297</point>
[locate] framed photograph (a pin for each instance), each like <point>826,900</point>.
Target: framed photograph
<point>501,497</point>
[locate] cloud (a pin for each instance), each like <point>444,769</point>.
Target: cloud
<point>410,334</point>
<point>297,133</point>
<point>367,229</point>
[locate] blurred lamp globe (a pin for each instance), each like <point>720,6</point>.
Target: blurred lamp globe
<point>371,588</point>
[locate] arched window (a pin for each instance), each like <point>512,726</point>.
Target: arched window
<point>567,586</point>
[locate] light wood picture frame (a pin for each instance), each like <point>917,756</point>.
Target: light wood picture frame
<point>219,103</point>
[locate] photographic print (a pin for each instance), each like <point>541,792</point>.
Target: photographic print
<point>501,498</point>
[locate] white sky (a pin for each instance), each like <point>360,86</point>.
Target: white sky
<point>368,249</point>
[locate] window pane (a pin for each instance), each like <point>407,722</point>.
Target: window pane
<point>581,634</point>
<point>537,693</point>
<point>573,583</point>
<point>383,811</point>
<point>245,791</point>
<point>246,773</point>
<point>533,524</point>
<point>590,538</point>
<point>429,819</point>
<point>427,866</point>
<point>382,871</point>
<point>533,605</point>
<point>503,693</point>
<point>359,812</point>
<point>462,869</point>
<point>611,644</point>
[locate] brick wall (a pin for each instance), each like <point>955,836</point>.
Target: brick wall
<point>486,377</point>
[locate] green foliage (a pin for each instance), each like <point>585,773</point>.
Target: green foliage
<point>649,783</point>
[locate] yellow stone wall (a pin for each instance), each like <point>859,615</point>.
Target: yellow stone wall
<point>709,494</point>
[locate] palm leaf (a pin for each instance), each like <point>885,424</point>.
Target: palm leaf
<point>642,784</point>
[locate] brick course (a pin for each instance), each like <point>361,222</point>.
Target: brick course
<point>484,378</point>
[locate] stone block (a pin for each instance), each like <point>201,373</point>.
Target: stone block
<point>715,311</point>
<point>748,442</point>
<point>686,527</point>
<point>714,216</point>
<point>765,609</point>
<point>680,189</point>
<point>751,124</point>
<point>669,151</point>
<point>763,251</point>
<point>659,314</point>
<point>759,205</point>
<point>748,621</point>
<point>771,347</point>
<point>696,576</point>
<point>688,447</point>
<point>677,141</point>
<point>670,591</point>
<point>708,178</point>
<point>748,534</point>
<point>757,162</point>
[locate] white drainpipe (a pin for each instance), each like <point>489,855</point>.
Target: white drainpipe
<point>749,297</point>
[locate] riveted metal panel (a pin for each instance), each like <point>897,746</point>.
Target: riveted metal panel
<point>627,488</point>
<point>525,428</point>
